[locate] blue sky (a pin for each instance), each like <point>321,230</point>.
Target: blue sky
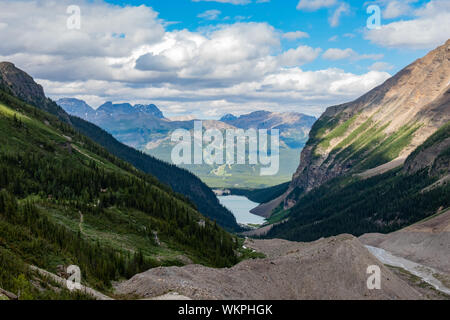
<point>283,15</point>
<point>204,58</point>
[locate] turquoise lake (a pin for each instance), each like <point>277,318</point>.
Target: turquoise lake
<point>240,206</point>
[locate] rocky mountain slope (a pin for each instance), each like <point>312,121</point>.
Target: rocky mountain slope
<point>385,124</point>
<point>333,268</point>
<point>380,203</point>
<point>21,85</point>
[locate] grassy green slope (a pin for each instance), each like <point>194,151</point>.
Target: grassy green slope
<point>180,180</point>
<point>66,200</point>
<point>381,204</point>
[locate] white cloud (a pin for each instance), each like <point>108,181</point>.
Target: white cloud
<point>343,8</point>
<point>313,5</point>
<point>339,54</point>
<point>40,27</point>
<point>429,28</point>
<point>396,9</point>
<point>295,35</point>
<point>236,67</point>
<point>299,56</point>
<point>284,90</point>
<point>209,14</point>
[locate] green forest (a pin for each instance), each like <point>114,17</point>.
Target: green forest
<point>66,200</point>
<point>262,195</point>
<point>382,204</point>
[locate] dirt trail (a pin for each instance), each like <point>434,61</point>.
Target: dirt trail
<point>80,225</point>
<point>85,154</point>
<point>333,268</point>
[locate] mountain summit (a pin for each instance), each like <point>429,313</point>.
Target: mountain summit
<point>109,109</point>
<point>22,85</point>
<point>262,119</point>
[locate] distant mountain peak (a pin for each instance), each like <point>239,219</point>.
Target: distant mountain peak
<point>76,107</point>
<point>149,109</point>
<point>111,108</point>
<point>258,113</point>
<point>82,110</point>
<point>228,117</point>
<point>263,119</point>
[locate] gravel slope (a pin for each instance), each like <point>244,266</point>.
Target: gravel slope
<point>426,242</point>
<point>332,268</point>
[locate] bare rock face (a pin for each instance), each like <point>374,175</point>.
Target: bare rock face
<point>333,268</point>
<point>23,86</point>
<point>434,155</point>
<point>385,124</point>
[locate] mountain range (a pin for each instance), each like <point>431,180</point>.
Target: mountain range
<point>144,127</point>
<point>377,168</point>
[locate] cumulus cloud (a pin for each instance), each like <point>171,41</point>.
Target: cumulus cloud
<point>105,30</point>
<point>284,90</point>
<point>429,28</point>
<point>298,56</point>
<point>396,9</point>
<point>125,54</point>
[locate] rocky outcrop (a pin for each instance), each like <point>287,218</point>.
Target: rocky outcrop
<point>333,268</point>
<point>434,155</point>
<point>23,86</point>
<point>388,122</point>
